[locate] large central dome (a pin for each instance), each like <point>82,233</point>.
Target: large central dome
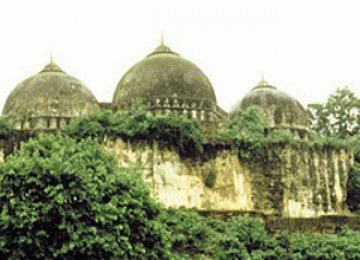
<point>164,74</point>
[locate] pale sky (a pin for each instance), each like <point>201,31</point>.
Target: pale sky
<point>305,48</point>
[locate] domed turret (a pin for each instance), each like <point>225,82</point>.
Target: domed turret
<point>279,109</point>
<point>48,100</point>
<point>167,83</point>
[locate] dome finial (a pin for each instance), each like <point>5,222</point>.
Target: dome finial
<point>162,48</point>
<point>263,84</point>
<point>51,57</point>
<point>51,66</point>
<point>162,39</point>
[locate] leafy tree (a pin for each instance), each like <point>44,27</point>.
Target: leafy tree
<point>338,116</point>
<point>63,199</point>
<point>245,125</point>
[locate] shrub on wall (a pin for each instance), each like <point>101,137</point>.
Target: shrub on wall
<point>5,125</point>
<point>62,199</point>
<point>180,133</point>
<point>245,125</point>
<point>247,133</point>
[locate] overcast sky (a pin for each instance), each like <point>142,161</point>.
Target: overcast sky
<point>305,48</point>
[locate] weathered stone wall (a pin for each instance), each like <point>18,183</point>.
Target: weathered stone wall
<point>299,180</point>
<point>219,183</point>
<point>288,181</point>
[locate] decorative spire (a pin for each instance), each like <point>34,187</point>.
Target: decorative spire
<point>51,66</point>
<point>263,84</point>
<point>162,39</point>
<point>51,58</point>
<point>162,48</point>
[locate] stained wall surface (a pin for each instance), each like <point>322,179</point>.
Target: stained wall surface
<point>288,181</point>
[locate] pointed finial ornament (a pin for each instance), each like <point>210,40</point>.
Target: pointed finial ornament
<point>51,66</point>
<point>162,39</point>
<point>162,48</point>
<point>263,84</point>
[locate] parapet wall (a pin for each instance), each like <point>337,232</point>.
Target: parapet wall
<point>294,181</point>
<point>41,123</point>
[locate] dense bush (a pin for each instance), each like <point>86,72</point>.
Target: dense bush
<point>5,125</point>
<point>353,188</point>
<point>196,237</point>
<point>245,125</point>
<point>62,199</point>
<point>246,238</point>
<point>180,133</point>
<point>325,247</point>
<point>247,133</point>
<point>192,235</point>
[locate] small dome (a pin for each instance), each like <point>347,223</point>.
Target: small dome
<point>164,74</point>
<point>279,109</point>
<point>50,93</point>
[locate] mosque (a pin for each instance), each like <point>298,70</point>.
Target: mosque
<point>163,81</point>
<point>304,182</point>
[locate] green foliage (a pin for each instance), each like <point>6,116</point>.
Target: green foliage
<point>246,131</point>
<point>195,237</point>
<point>210,179</point>
<point>333,141</point>
<point>245,238</point>
<point>5,124</point>
<point>190,234</point>
<point>335,125</point>
<point>62,199</point>
<point>326,247</point>
<point>244,126</point>
<point>280,136</point>
<point>339,116</point>
<point>182,134</point>
<point>353,188</point>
